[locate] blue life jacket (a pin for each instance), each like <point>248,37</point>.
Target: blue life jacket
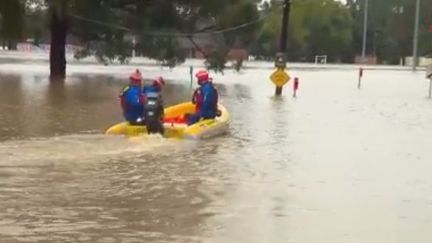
<point>132,103</point>
<point>210,98</point>
<point>151,88</point>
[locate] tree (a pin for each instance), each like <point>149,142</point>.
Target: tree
<point>390,28</point>
<point>158,30</point>
<point>35,24</point>
<point>105,28</point>
<point>11,21</point>
<point>317,27</point>
<point>58,30</point>
<point>241,13</point>
<point>322,28</point>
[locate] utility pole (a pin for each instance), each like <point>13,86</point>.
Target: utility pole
<point>284,35</point>
<point>365,23</point>
<point>415,39</point>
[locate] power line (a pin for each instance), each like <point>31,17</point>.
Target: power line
<point>168,34</point>
<point>112,26</point>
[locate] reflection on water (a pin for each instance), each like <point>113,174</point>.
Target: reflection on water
<point>334,165</point>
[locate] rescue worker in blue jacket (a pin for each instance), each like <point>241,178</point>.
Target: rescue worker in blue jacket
<point>205,99</point>
<point>156,86</point>
<point>153,106</point>
<point>132,100</point>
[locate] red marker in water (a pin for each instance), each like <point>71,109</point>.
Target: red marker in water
<point>296,86</point>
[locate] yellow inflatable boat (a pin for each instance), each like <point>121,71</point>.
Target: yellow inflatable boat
<point>173,129</point>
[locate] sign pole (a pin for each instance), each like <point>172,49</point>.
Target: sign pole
<point>283,37</point>
<point>191,76</point>
<point>429,76</point>
<point>360,78</point>
<point>295,87</point>
<point>365,27</point>
<point>415,38</point>
<point>430,87</point>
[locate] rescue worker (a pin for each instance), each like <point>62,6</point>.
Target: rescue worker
<point>156,86</point>
<point>132,100</point>
<point>153,106</point>
<point>205,99</point>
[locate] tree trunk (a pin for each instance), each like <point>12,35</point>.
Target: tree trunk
<point>12,45</point>
<point>58,27</point>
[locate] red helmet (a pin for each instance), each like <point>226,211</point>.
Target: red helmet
<point>202,76</point>
<point>136,77</point>
<point>159,82</point>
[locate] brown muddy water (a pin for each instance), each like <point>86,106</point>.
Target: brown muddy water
<point>336,164</point>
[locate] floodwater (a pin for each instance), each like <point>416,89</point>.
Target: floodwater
<point>337,164</point>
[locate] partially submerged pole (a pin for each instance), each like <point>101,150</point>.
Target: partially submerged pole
<point>191,76</point>
<point>295,87</point>
<point>284,35</point>
<point>365,23</point>
<point>430,87</point>
<point>415,38</point>
<point>429,76</point>
<point>360,76</point>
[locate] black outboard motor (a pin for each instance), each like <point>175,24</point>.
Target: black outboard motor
<point>153,113</point>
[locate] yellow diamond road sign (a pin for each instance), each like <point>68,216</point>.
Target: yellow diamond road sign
<point>280,77</point>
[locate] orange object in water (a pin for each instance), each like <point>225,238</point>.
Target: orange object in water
<point>178,119</point>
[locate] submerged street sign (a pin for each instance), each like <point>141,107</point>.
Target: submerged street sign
<point>280,77</point>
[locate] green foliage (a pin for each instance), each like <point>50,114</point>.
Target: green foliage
<point>36,23</point>
<point>237,14</point>
<point>316,27</point>
<point>216,60</point>
<point>163,49</point>
<point>390,28</point>
<point>143,18</point>
<point>12,20</point>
